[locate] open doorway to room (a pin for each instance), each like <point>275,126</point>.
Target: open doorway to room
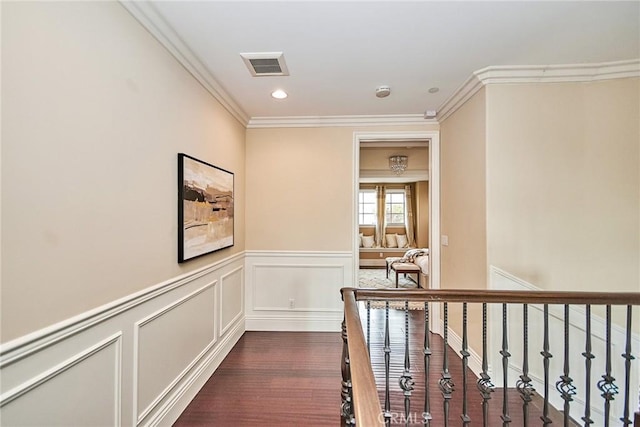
<point>397,213</point>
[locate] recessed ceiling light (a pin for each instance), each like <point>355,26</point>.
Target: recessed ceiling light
<point>279,94</point>
<point>434,89</point>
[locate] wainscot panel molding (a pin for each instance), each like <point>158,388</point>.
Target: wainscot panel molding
<point>501,280</point>
<point>296,290</point>
<point>136,361</point>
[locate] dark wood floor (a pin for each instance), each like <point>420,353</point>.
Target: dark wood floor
<point>293,379</point>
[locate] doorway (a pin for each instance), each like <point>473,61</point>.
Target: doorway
<point>403,140</point>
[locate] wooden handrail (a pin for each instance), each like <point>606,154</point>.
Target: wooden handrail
<point>366,403</point>
<point>496,296</point>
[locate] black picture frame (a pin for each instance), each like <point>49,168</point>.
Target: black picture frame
<point>205,208</point>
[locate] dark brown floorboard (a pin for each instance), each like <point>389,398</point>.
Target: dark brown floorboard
<point>273,379</point>
<point>293,379</point>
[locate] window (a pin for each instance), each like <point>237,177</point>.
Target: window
<point>395,207</point>
<point>367,207</point>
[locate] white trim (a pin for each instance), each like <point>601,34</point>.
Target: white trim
<point>338,121</point>
<point>434,199</point>
<point>387,175</point>
<point>137,326</point>
<point>150,19</point>
<point>511,74</point>
<point>27,345</point>
<point>297,254</point>
<point>49,374</point>
<point>287,323</point>
<point>171,409</point>
<point>225,328</point>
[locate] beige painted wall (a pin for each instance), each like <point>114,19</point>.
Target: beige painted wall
<point>94,111</point>
<point>300,187</point>
<point>563,177</point>
<point>463,209</point>
<point>463,196</point>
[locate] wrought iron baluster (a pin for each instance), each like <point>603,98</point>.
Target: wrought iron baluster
<point>369,328</point>
<point>506,419</point>
<point>387,359</point>
<point>346,408</point>
<point>406,381</point>
<point>565,385</point>
<point>546,356</point>
<point>485,385</point>
<point>627,370</point>
<point>446,382</point>
<point>524,383</point>
<point>465,363</point>
<point>588,357</point>
<point>607,384</point>
<point>426,414</point>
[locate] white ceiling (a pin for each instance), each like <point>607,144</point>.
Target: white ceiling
<point>338,52</point>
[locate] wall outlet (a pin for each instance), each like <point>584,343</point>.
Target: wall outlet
<point>444,240</point>
<point>292,303</point>
<point>381,254</point>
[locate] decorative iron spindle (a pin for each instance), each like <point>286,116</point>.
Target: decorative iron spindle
<point>485,385</point>
<point>446,382</point>
<point>426,414</point>
<point>465,363</point>
<point>506,419</point>
<point>406,381</point>
<point>524,383</point>
<point>565,385</point>
<point>346,408</point>
<point>607,384</point>
<point>588,357</point>
<point>387,359</point>
<point>627,369</point>
<point>369,328</point>
<point>545,362</point>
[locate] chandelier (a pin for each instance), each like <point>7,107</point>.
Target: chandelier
<point>398,164</point>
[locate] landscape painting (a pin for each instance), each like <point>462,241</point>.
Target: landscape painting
<point>205,208</point>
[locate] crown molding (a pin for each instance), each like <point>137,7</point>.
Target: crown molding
<point>385,175</point>
<point>571,73</point>
<point>150,19</point>
<point>338,121</point>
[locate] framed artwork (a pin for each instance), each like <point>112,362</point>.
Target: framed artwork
<point>205,208</point>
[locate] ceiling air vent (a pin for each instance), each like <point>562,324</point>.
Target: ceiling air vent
<point>265,64</point>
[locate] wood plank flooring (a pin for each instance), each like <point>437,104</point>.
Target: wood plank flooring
<point>293,379</point>
<point>273,379</point>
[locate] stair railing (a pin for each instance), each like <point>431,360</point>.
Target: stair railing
<point>361,404</point>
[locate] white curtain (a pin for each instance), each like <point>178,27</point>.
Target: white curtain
<point>380,215</point>
<point>409,219</point>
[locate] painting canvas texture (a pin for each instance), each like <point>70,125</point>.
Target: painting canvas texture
<point>205,208</point>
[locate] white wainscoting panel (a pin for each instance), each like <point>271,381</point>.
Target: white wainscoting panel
<point>136,361</point>
<point>232,293</point>
<point>169,342</point>
<point>501,280</point>
<point>296,291</point>
<point>54,394</point>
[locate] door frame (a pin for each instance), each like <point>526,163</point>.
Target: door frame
<point>433,136</point>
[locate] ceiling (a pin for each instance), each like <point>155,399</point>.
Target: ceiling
<point>339,52</point>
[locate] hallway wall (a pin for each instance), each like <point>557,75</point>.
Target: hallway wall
<point>94,112</point>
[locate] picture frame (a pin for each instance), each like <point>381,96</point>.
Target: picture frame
<point>205,208</point>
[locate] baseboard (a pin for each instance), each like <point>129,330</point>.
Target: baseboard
<point>306,323</point>
<point>175,405</point>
